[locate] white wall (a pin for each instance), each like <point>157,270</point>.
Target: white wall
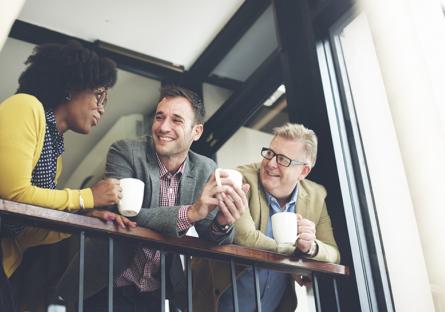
<point>12,63</point>
<point>242,148</point>
<point>213,98</point>
<point>390,188</point>
<point>9,10</point>
<point>127,127</point>
<point>409,37</point>
<point>396,69</point>
<point>132,94</point>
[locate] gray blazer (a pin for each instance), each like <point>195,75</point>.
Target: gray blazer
<point>137,159</point>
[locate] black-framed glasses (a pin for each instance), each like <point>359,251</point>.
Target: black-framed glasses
<point>281,159</point>
<point>101,97</point>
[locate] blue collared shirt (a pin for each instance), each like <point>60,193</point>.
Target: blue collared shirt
<point>272,284</point>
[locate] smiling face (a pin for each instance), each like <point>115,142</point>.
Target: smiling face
<point>278,180</point>
<point>82,112</point>
<point>174,129</point>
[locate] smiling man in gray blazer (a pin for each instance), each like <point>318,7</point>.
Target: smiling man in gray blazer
<point>180,191</point>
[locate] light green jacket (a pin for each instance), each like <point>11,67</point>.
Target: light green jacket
<point>211,278</point>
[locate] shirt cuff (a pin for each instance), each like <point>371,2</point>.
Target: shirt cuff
<point>88,199</point>
<point>183,223</point>
<point>220,229</point>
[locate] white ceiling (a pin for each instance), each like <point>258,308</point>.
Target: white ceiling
<point>177,31</point>
<point>173,30</point>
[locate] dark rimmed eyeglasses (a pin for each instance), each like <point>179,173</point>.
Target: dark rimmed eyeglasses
<point>101,97</point>
<point>281,159</point>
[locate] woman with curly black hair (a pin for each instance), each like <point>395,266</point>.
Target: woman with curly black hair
<point>63,88</point>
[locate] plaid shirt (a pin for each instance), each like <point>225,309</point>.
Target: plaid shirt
<point>146,263</point>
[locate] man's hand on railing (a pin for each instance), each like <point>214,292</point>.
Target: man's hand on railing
<point>106,192</point>
<point>106,216</point>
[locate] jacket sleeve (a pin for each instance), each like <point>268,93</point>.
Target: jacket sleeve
<point>327,247</point>
<point>246,233</point>
<point>204,227</point>
<point>121,164</point>
<point>22,130</point>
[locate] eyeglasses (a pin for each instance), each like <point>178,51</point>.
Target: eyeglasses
<point>101,97</point>
<point>281,159</point>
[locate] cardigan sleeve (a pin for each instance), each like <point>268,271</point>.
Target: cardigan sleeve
<point>22,132</point>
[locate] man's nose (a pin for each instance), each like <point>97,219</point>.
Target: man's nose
<point>165,125</point>
<point>272,162</point>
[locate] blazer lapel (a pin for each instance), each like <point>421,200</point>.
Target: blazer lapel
<point>302,202</point>
<point>263,206</point>
<point>187,184</point>
<point>153,176</point>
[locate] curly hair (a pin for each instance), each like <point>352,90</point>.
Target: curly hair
<point>56,70</point>
<point>192,97</point>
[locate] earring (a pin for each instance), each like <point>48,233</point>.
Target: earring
<point>68,97</point>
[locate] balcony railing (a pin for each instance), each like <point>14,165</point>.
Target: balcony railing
<point>187,246</point>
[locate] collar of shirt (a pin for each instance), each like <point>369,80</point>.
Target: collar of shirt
<point>57,138</point>
<point>274,207</point>
<point>163,172</point>
<point>290,205</point>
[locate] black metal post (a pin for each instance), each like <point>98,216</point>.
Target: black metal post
<point>163,295</point>
<point>234,288</point>
<point>188,265</point>
<point>316,292</point>
<point>337,299</point>
<point>81,270</point>
<point>110,273</point>
<point>256,281</point>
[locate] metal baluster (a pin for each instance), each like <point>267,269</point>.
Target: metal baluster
<point>234,288</point>
<point>110,273</point>
<point>337,299</point>
<point>188,267</point>
<point>162,281</point>
<point>256,281</point>
<point>316,292</point>
<point>81,270</point>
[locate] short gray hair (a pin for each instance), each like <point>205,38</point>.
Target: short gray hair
<point>298,132</point>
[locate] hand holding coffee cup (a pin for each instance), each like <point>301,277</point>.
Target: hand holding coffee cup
<point>106,192</point>
<point>229,175</point>
<point>132,197</point>
<point>284,228</point>
<point>306,234</point>
<point>232,200</point>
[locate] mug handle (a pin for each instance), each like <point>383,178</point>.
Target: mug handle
<point>217,176</point>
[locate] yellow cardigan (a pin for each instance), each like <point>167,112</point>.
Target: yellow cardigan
<point>22,133</point>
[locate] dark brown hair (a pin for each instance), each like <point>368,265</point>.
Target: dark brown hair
<point>192,97</point>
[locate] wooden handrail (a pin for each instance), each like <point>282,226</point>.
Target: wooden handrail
<point>69,222</point>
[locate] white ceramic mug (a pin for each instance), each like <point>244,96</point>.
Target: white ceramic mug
<point>132,197</point>
<point>234,175</point>
<point>284,227</point>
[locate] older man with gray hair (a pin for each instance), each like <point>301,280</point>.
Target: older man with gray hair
<point>277,184</point>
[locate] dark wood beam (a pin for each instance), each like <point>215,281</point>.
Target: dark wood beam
<point>240,106</point>
<point>224,82</point>
<point>307,106</point>
<point>136,63</point>
<point>232,32</point>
